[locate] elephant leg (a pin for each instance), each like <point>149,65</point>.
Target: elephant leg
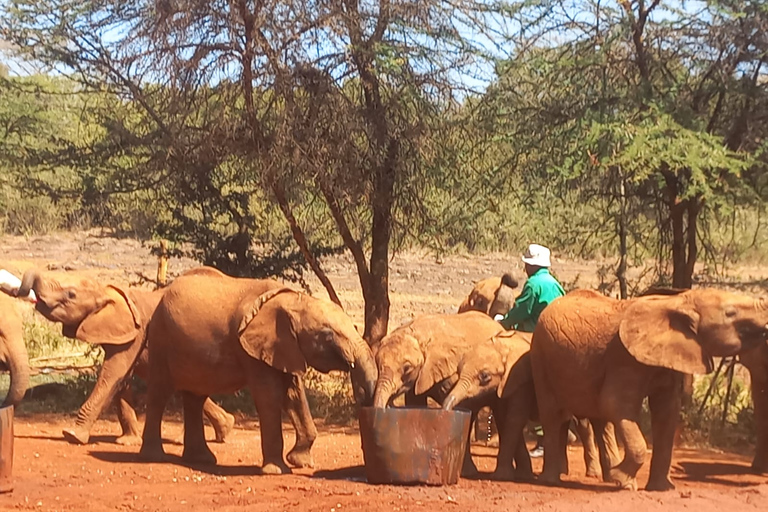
<point>565,428</point>
<point>591,456</point>
<point>468,468</point>
<point>665,413</point>
<point>159,389</point>
<point>195,447</point>
<point>512,418</point>
<point>759,377</point>
<point>625,474</point>
<point>553,420</point>
<point>222,421</point>
<point>607,447</point>
<point>118,360</point>
<point>268,388</point>
<point>127,416</point>
<point>297,407</point>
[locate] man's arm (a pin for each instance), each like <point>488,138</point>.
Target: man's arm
<point>522,309</point>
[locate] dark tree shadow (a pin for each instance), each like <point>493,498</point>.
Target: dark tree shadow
<point>209,469</point>
<point>353,473</point>
<point>712,472</point>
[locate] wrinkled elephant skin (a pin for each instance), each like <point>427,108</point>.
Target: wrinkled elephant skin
<point>114,318</point>
<point>598,358</point>
<point>13,353</point>
<point>218,334</point>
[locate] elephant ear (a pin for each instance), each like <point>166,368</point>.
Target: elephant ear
<point>661,331</point>
<point>437,366</point>
<point>266,333</point>
<point>117,321</point>
<point>517,366</point>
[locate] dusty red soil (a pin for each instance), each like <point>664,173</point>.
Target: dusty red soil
<point>51,474</point>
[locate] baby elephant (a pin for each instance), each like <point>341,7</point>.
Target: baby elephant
<point>498,371</point>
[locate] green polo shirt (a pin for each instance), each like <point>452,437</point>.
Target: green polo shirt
<point>540,289</point>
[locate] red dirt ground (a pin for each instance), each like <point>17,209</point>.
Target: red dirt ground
<point>50,474</point>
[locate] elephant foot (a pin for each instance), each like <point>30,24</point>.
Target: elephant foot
<point>594,471</point>
<point>273,468</point>
<point>152,453</point>
<point>198,456</point>
<point>623,479</point>
<point>222,430</point>
<point>524,476</point>
<point>300,457</point>
<point>129,440</point>
<point>660,484</point>
<point>505,473</point>
<point>549,477</point>
<point>76,435</point>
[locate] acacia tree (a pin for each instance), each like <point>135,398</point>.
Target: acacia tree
<point>223,88</point>
<point>636,112</point>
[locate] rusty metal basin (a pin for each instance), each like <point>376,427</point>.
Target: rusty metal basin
<point>6,449</point>
<point>413,445</point>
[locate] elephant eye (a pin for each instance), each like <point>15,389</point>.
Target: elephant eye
<point>485,378</point>
<point>730,312</point>
<point>407,367</point>
<point>71,294</point>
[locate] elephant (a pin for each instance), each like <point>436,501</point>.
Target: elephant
<point>219,334</point>
<point>756,361</point>
<point>420,359</point>
<point>13,353</point>
<point>500,368</point>
<point>597,357</point>
<point>113,317</point>
<point>493,296</point>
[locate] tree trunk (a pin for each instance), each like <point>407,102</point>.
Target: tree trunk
<point>377,307</point>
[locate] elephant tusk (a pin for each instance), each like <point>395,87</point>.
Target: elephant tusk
<point>352,365</point>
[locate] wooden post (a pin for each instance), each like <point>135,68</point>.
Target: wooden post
<point>6,449</point>
<point>162,264</point>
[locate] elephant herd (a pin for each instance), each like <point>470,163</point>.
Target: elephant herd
<point>591,358</point>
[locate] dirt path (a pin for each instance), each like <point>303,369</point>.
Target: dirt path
<point>51,474</point>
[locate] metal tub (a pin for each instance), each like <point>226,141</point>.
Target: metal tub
<point>413,445</point>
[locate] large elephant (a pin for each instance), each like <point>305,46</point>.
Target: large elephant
<point>420,359</point>
<point>500,369</point>
<point>597,357</point>
<point>13,353</point>
<point>493,296</point>
<point>220,334</point>
<point>114,318</point>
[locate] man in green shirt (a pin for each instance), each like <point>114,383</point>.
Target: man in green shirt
<point>539,291</point>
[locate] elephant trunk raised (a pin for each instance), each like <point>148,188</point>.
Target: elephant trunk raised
<point>32,280</point>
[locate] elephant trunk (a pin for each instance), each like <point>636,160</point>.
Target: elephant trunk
<point>385,389</point>
<point>364,375</point>
<point>15,354</point>
<point>456,396</point>
<point>32,280</point>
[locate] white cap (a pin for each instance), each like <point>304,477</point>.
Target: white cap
<point>537,255</point>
